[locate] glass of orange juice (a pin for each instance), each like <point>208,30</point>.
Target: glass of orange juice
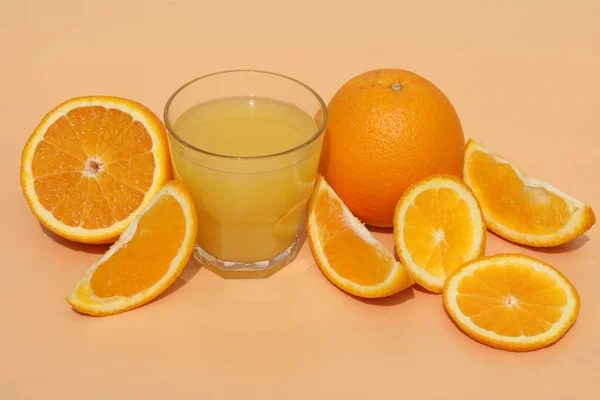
<point>247,145</point>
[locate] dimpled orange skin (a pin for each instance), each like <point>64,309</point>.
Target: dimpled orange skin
<point>387,129</point>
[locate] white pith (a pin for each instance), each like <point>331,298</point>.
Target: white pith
<point>89,171</point>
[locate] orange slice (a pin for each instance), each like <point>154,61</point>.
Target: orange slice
<point>437,227</point>
<point>92,164</point>
<point>146,259</point>
<point>511,302</point>
<point>521,209</point>
<point>346,252</point>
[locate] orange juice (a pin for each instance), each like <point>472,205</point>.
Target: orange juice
<point>252,177</point>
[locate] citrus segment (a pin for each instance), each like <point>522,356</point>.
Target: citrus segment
<point>49,160</point>
<point>63,137</point>
<point>97,211</point>
<point>437,227</point>
<point>134,141</point>
<point>136,172</point>
<point>85,122</point>
<point>346,252</point>
<point>511,301</point>
<point>69,209</point>
<point>92,164</point>
<point>519,208</point>
<point>145,260</point>
<point>114,124</point>
<point>53,188</point>
<point>123,199</point>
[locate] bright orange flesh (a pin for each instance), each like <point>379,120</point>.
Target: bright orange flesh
<point>533,210</point>
<point>437,227</point>
<point>345,248</point>
<point>81,194</point>
<point>346,252</point>
<point>512,302</point>
<point>93,166</point>
<point>521,209</point>
<point>147,255</point>
<point>145,260</point>
<point>439,212</point>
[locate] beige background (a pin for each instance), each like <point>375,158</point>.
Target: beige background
<point>524,77</point>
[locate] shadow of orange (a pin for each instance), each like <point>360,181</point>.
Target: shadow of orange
<point>189,271</point>
<point>87,248</point>
<point>380,230</point>
<point>394,300</point>
<point>573,245</point>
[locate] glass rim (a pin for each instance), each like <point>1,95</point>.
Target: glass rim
<point>314,137</point>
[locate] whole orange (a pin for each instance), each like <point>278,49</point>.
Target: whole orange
<point>387,129</point>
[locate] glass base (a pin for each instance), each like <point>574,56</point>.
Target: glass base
<point>246,270</point>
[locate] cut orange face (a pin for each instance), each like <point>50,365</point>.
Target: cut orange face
<point>346,252</point>
<point>437,227</point>
<point>92,164</point>
<point>511,302</point>
<point>146,259</point>
<point>521,209</point>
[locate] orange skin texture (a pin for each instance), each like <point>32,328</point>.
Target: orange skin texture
<point>379,140</point>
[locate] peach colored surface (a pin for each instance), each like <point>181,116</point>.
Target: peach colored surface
<point>524,78</point>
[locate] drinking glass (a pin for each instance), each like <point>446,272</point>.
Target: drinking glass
<point>251,208</point>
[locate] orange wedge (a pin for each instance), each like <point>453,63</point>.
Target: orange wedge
<point>437,227</point>
<point>346,252</point>
<point>146,259</point>
<point>511,302</point>
<point>92,164</point>
<point>521,209</point>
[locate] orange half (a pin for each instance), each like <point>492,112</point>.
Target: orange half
<point>146,259</point>
<point>346,252</point>
<point>92,164</point>
<point>522,209</point>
